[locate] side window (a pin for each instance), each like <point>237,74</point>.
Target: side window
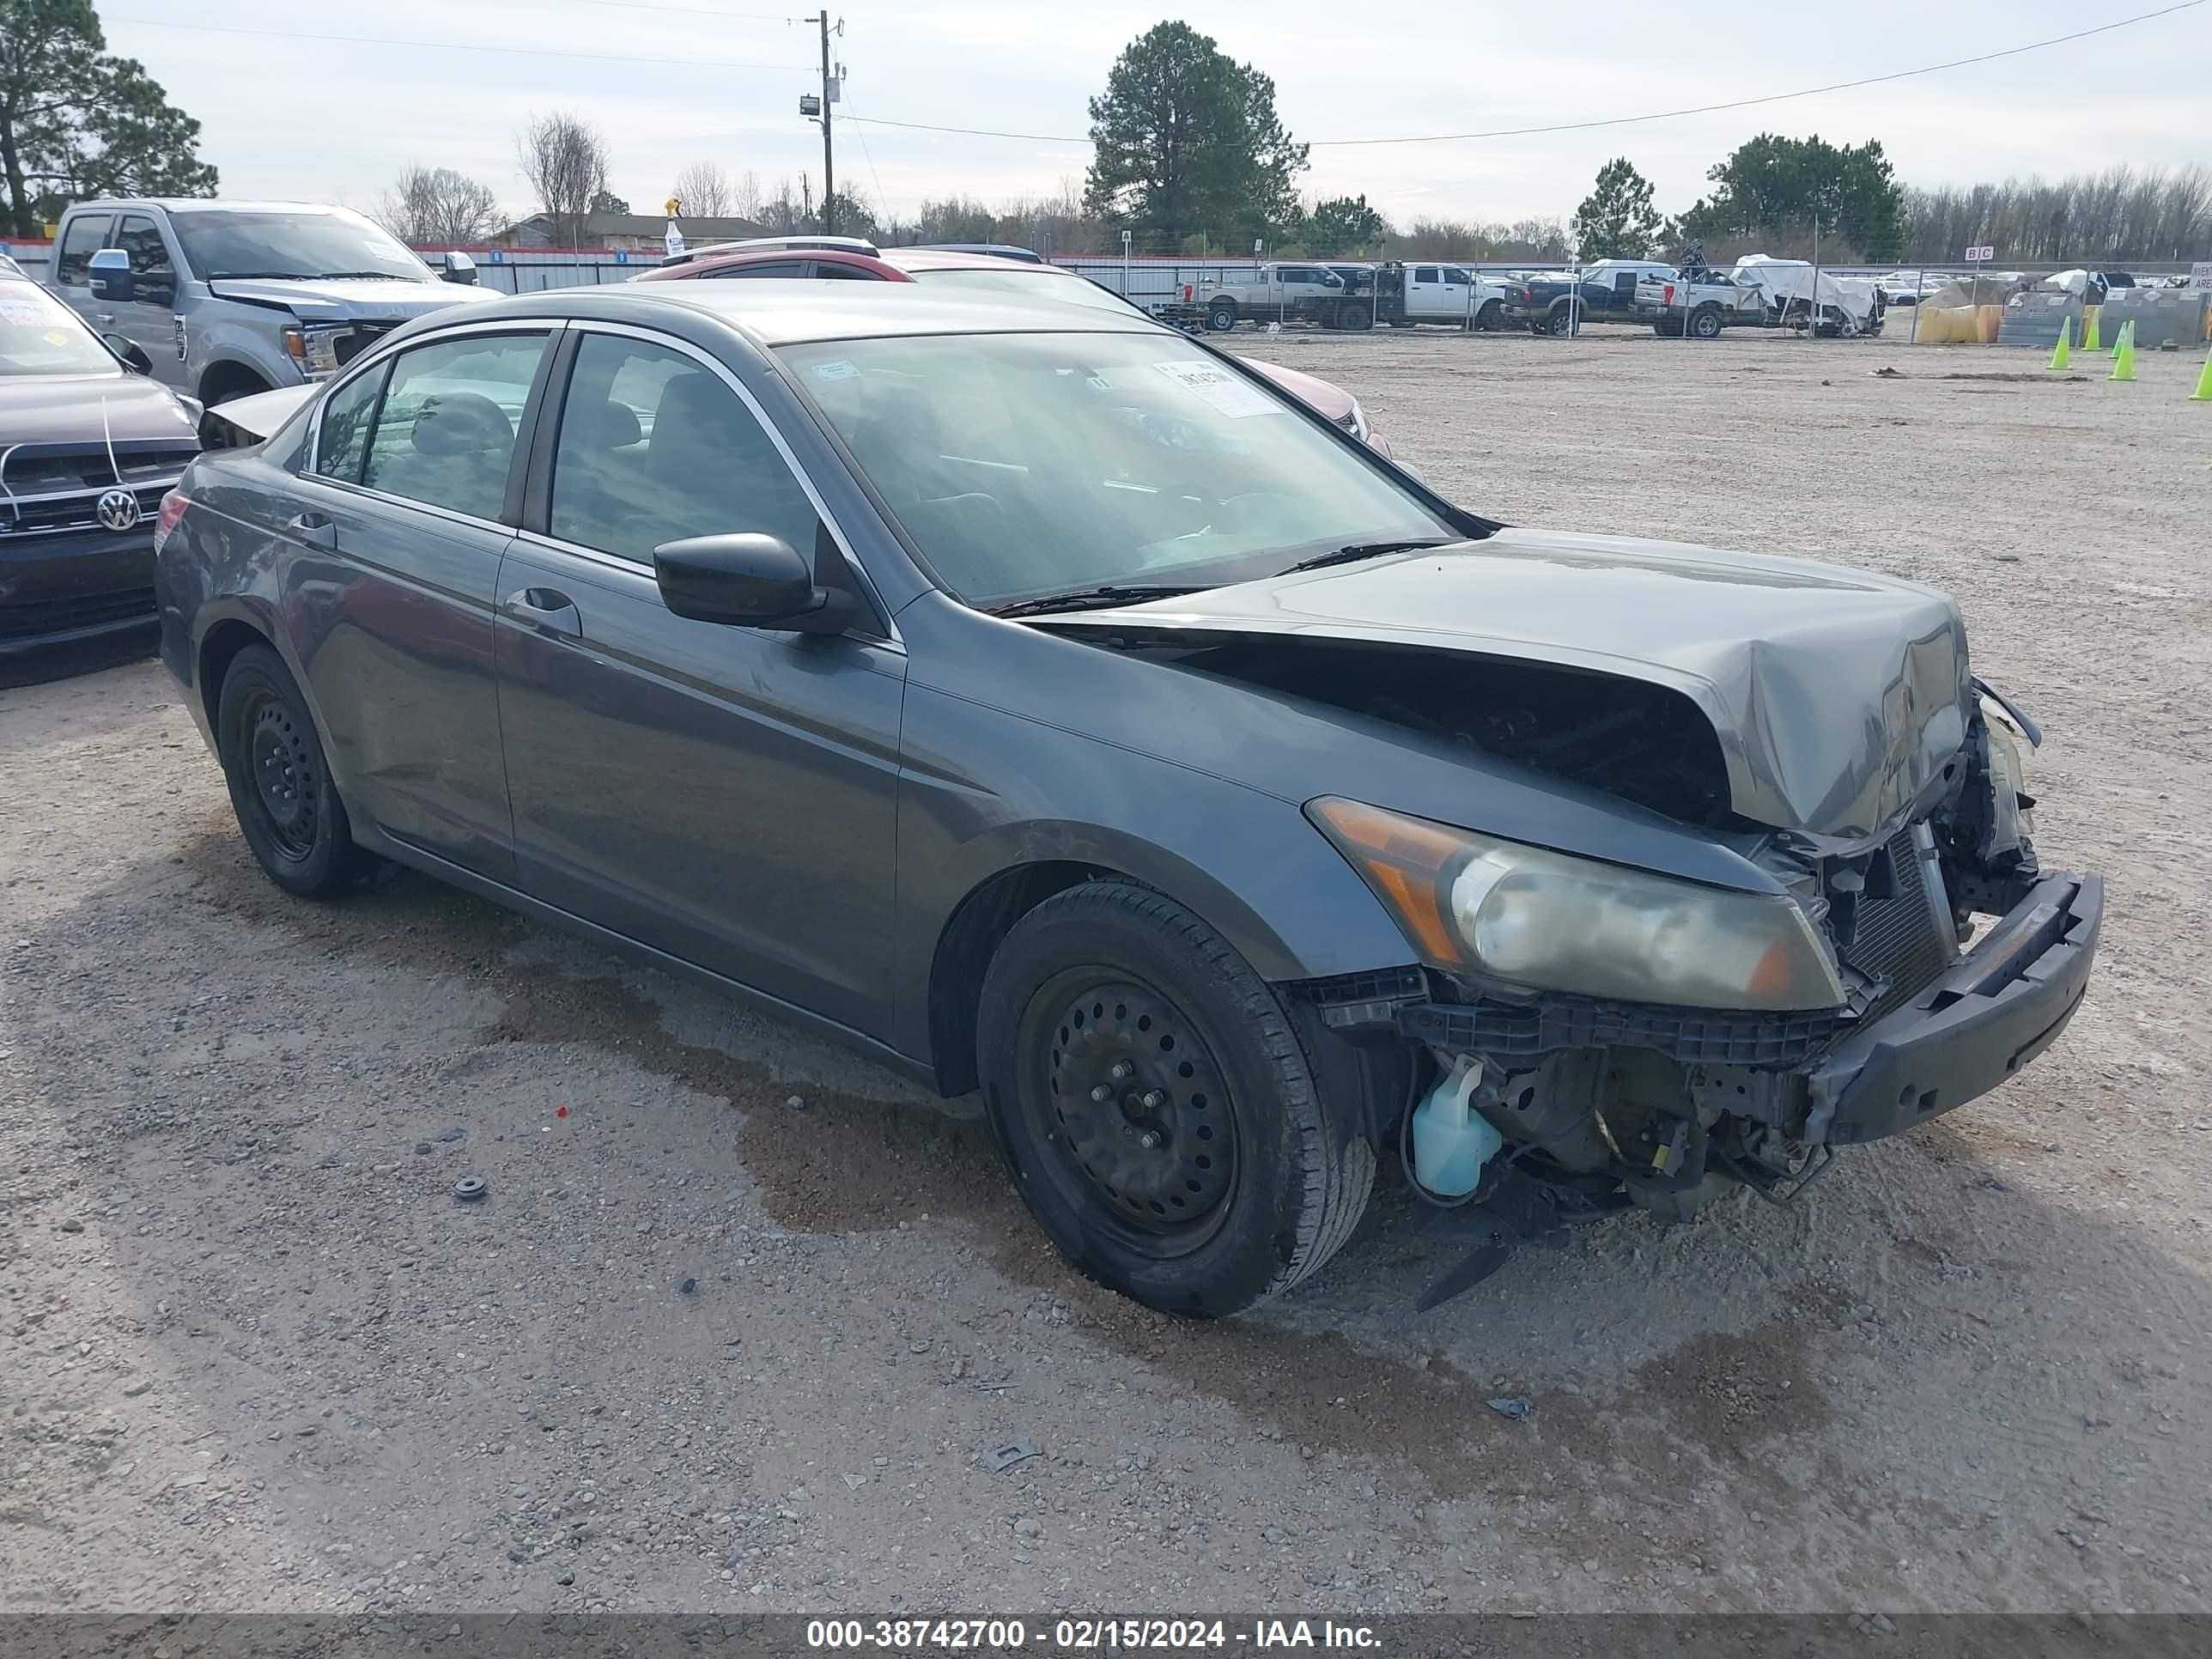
<point>86,235</point>
<point>654,448</point>
<point>445,433</point>
<point>343,439</point>
<point>766,268</point>
<point>1425,273</point>
<point>141,238</point>
<point>830,269</point>
<point>1454,274</point>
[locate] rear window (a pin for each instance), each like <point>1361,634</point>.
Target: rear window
<point>84,236</point>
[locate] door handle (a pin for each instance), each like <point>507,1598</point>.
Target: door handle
<point>547,609</point>
<point>319,528</point>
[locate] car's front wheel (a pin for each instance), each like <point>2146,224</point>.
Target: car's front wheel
<point>1155,1108</point>
<point>280,784</point>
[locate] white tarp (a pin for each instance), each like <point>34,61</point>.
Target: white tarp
<point>1781,280</point>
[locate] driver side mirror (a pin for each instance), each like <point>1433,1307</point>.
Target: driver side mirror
<point>132,354</point>
<point>749,580</point>
<point>111,277</point>
<point>458,267</point>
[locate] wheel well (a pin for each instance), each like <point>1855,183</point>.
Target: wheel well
<point>964,951</point>
<point>229,380</point>
<point>223,643</point>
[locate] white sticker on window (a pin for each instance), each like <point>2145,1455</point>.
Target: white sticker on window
<point>23,308</point>
<point>1220,387</point>
<point>838,369</point>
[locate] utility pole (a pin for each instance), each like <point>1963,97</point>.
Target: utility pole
<point>831,85</point>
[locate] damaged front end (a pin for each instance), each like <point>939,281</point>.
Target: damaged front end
<point>1950,960</point>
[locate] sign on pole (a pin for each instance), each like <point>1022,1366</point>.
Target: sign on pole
<point>2200,274</point>
<point>1980,256</point>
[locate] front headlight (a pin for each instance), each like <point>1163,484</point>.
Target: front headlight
<point>314,350</point>
<point>2009,747</point>
<point>1551,921</point>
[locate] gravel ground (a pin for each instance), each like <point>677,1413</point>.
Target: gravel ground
<point>741,1317</point>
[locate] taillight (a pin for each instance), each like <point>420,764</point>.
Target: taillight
<point>172,514</point>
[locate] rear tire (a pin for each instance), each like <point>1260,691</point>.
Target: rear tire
<point>1561,324</point>
<point>287,807</point>
<point>1705,323</point>
<point>1212,1175</point>
<point>1221,316</point>
<point>1358,319</point>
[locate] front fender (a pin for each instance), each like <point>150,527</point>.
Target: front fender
<point>972,807</point>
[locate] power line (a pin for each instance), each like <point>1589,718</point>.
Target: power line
<point>468,46</point>
<point>696,11</point>
<point>1609,121</point>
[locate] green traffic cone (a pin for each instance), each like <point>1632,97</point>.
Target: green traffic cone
<point>2123,353</point>
<point>2062,356</point>
<point>2204,392</point>
<point>2093,319</point>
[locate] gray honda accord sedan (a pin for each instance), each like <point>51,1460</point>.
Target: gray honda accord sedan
<point>1042,702</point>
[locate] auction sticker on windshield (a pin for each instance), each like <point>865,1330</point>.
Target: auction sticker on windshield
<point>1220,388</point>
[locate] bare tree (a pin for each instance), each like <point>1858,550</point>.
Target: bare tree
<point>437,206</point>
<point>705,192</point>
<point>2119,216</point>
<point>746,200</point>
<point>564,161</point>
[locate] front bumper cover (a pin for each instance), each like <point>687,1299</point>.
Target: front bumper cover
<point>1816,1074</point>
<point>1999,1006</point>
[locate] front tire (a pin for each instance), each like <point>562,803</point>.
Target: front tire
<point>1156,1108</point>
<point>287,807</point>
<point>1490,317</point>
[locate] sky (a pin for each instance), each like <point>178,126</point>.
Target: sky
<point>287,115</point>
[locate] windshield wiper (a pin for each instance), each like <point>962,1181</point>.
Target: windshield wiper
<point>1358,550</point>
<point>261,276</point>
<point>1087,599</point>
<point>383,276</point>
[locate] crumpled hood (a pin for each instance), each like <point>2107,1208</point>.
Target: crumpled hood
<point>338,300</point>
<point>88,409</point>
<point>1837,696</point>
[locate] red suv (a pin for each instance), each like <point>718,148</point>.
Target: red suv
<point>849,259</point>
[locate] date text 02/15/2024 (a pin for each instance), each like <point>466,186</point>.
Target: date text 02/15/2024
<point>1082,1635</point>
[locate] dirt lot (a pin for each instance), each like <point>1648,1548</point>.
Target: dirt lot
<point>730,1332</point>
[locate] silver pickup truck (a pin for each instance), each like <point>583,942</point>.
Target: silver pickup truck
<point>1700,303</point>
<point>227,299</point>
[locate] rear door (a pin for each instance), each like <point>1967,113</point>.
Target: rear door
<point>84,235</point>
<point>722,793</point>
<point>1425,291</point>
<point>409,494</point>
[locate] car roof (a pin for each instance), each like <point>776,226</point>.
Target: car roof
<point>203,204</point>
<point>943,258</point>
<point>776,311</point>
<point>706,260</point>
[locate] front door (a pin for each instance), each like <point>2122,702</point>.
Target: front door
<point>723,793</point>
<point>396,536</point>
<point>149,319</point>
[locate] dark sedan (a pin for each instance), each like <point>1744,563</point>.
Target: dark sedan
<point>1044,703</point>
<point>88,447</point>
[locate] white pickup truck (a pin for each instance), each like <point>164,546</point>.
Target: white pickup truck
<point>1698,303</point>
<point>1399,294</point>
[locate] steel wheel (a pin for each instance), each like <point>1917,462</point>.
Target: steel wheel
<point>1134,1107</point>
<point>286,774</point>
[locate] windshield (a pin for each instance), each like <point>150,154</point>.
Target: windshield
<point>39,335</point>
<point>1037,283</point>
<point>1023,464</point>
<point>227,242</point>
